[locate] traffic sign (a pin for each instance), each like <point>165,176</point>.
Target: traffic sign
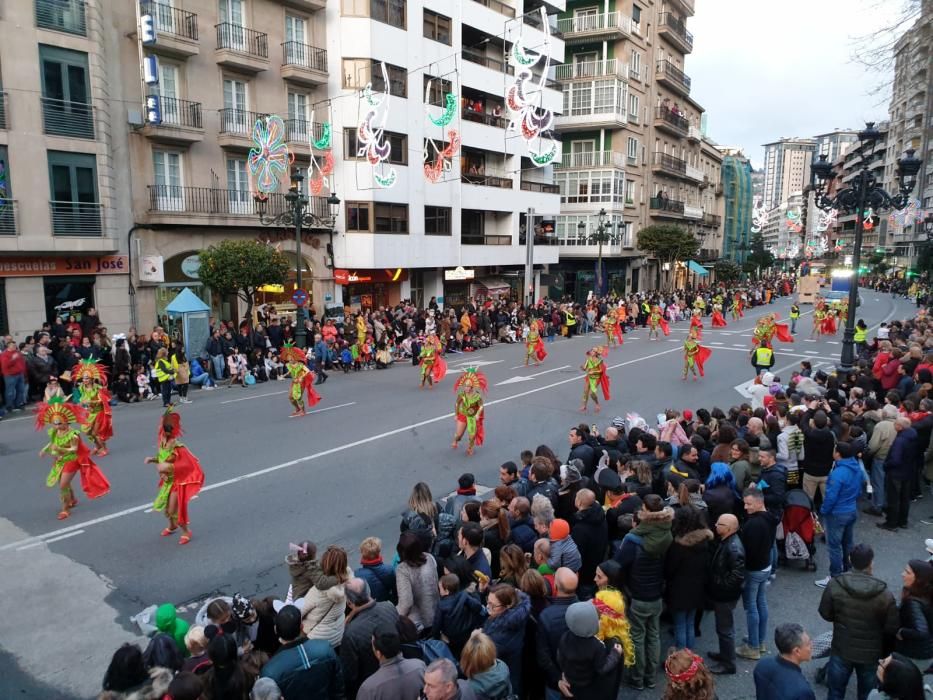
<point>300,297</point>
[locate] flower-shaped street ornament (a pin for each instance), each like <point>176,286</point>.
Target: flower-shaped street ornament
<point>268,158</point>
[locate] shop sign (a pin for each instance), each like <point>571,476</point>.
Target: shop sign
<point>190,267</point>
<point>458,274</point>
<point>151,268</point>
<point>344,277</point>
<point>72,265</point>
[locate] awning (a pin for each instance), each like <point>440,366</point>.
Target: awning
<point>494,285</point>
<point>696,268</point>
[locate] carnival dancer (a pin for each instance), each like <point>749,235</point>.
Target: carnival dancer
<point>655,321</point>
<point>70,453</point>
<point>534,343</point>
<point>695,355</point>
<point>180,476</point>
<point>699,304</point>
<point>819,315</point>
<point>696,323</point>
<point>718,320</point>
<point>296,362</point>
<point>91,378</point>
<point>596,377</point>
<point>829,322</point>
<point>736,307</point>
<point>470,387</point>
<point>433,367</point>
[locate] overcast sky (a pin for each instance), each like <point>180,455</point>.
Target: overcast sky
<point>763,70</point>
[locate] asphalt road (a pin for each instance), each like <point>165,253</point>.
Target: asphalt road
<point>335,476</point>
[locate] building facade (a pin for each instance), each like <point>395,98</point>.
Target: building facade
<point>836,144</point>
<point>738,200</point>
<point>786,169</point>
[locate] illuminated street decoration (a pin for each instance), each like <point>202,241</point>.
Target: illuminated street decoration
<point>321,168</point>
<point>759,217</point>
<point>370,133</point>
<point>438,156</point>
<point>268,158</point>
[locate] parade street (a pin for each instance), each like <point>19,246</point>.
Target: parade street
<point>337,475</point>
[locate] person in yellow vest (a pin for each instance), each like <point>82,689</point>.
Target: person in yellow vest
<point>762,358</point>
<point>794,315</point>
<point>570,321</point>
<point>860,337</point>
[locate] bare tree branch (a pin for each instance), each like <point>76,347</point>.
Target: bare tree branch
<point>875,49</point>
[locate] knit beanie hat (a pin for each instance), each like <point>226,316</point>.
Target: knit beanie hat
<point>923,570</point>
<point>582,619</point>
<point>560,529</point>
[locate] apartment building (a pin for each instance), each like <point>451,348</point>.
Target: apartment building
<point>786,169</point>
<point>64,194</point>
<point>632,142</point>
<point>836,143</point>
<point>738,203</point>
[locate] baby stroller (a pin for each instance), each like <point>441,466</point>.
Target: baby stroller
<point>795,536</point>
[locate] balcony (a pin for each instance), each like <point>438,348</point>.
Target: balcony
<point>675,31</point>
<point>669,165</point>
<point>589,70</point>
<point>303,64</point>
<point>300,135</point>
<point>593,159</point>
<point>487,61</point>
<point>181,122</point>
<point>486,118</point>
<point>693,212</point>
<point>694,134</point>
<point>168,202</point>
<point>504,183</point>
<point>500,7</point>
<point>685,7</point>
<point>544,187</point>
<point>76,218</point>
<point>481,239</point>
<point>573,247</point>
<point>696,174</point>
<point>306,5</point>
<point>671,76</point>
<point>3,122</point>
<point>665,208</point>
<point>610,26</point>
<point>533,19</point>
<point>666,120</point>
<point>176,30</point>
<point>713,220</point>
<point>67,118</point>
<point>236,128</point>
<point>241,49</point>
<point>69,16</point>
<point>7,217</point>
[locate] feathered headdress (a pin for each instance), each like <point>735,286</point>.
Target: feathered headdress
<point>472,377</point>
<point>601,350</point>
<point>694,334</point>
<point>170,418</point>
<point>290,353</point>
<point>89,368</point>
<point>56,411</point>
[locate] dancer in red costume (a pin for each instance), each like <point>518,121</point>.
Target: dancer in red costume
<point>180,476</point>
<point>718,321</point>
<point>534,343</point>
<point>91,378</point>
<point>302,379</point>
<point>595,377</point>
<point>470,387</point>
<point>70,453</point>
<point>696,323</point>
<point>695,355</point>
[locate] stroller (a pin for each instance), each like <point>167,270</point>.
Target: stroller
<point>795,536</point>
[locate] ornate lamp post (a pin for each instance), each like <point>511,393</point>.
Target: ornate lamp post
<point>857,197</point>
<point>298,214</point>
<point>604,234</point>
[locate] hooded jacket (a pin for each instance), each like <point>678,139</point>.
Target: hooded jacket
<point>863,613</point>
<point>507,631</point>
<point>565,553</point>
<point>902,458</point>
<point>167,621</point>
<point>523,534</point>
<point>642,554</point>
<point>457,615</point>
<point>323,611</point>
<point>591,535</point>
<point>685,570</point>
<point>153,689</point>
<point>304,574</point>
<point>843,487</point>
<point>492,684</point>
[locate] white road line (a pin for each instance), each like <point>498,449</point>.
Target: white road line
<point>327,408</point>
<point>738,345</point>
<point>54,539</point>
<point>833,342</point>
<point>313,457</point>
<point>257,396</point>
<point>715,342</point>
<point>809,340</point>
<point>812,352</point>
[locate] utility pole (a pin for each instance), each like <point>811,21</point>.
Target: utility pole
<point>529,257</point>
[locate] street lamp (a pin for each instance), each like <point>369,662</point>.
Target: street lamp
<point>298,214</point>
<point>604,234</point>
<point>863,193</point>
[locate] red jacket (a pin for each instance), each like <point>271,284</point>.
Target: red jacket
<point>880,360</point>
<point>12,363</point>
<point>889,375</point>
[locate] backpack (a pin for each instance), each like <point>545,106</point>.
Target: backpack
<point>444,543</point>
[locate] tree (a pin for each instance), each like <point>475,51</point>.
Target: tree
<point>876,263</point>
<point>760,258</point>
<point>668,242</point>
<point>241,268</point>
<point>727,271</point>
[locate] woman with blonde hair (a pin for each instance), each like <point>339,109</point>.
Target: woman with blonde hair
<point>421,515</point>
<point>512,565</point>
<point>487,675</point>
<point>323,611</point>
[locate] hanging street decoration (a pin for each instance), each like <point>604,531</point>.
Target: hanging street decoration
<point>269,157</point>
<point>868,222</point>
<point>370,133</point>
<point>826,220</point>
<point>529,119</point>
<point>438,156</point>
<point>898,220</point>
<point>759,217</point>
<point>792,218</point>
<point>319,170</point>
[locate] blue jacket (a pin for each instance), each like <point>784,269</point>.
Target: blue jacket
<point>778,679</point>
<point>306,668</point>
<point>196,369</point>
<point>902,457</point>
<point>843,487</point>
<point>381,580</point>
<point>320,351</point>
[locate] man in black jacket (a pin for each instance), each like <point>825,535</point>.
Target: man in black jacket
<point>900,467</point>
<point>726,579</point>
<point>552,626</point>
<point>579,449</point>
<point>215,348</point>
<point>775,477</point>
<point>818,445</point>
<point>758,540</point>
<point>356,649</point>
<point>590,533</point>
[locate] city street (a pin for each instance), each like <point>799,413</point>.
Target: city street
<point>335,476</point>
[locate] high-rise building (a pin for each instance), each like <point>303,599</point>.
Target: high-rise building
<point>738,203</point>
<point>632,139</point>
<point>836,143</point>
<point>787,168</point>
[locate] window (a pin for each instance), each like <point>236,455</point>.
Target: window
<point>297,128</point>
<point>636,14</point>
<point>633,107</point>
<point>437,27</point>
<point>357,72</point>
<point>358,216</point>
<point>435,91</point>
<point>66,101</point>
<point>73,191</point>
<point>238,195</point>
<point>355,8</point>
<point>437,221</point>
<point>166,167</point>
<point>397,142</point>
<point>472,226</point>
<point>391,218</point>
<point>235,117</point>
<point>629,191</point>
<point>635,67</point>
<point>388,11</point>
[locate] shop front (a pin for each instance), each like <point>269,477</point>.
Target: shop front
<point>576,279</point>
<point>371,289</point>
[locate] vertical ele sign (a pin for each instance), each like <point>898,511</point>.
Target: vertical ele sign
<point>149,64</point>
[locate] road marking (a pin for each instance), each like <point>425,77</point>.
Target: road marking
<point>715,342</point>
<point>809,340</point>
<point>312,457</point>
<point>833,342</point>
<point>321,410</point>
<point>514,380</point>
<point>257,396</point>
<point>466,363</point>
<point>54,539</point>
<point>812,352</point>
<point>738,345</point>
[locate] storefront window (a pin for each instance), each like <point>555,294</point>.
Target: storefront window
<point>68,296</point>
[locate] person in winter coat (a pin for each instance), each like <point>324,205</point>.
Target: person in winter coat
<point>685,570</point>
<point>421,514</point>
<point>724,588</point>
<point>488,676</point>
<point>739,464</point>
<point>379,576</point>
<point>458,613</point>
<point>721,495</point>
<point>521,525</point>
<point>323,611</point>
<point>509,610</point>
<point>552,624</point>
<point>168,622</point>
<point>564,550</point>
<point>899,473</point>
<point>590,668</point>
<point>494,520</point>
<point>589,532</point>
<point>840,509</point>
<point>303,568</point>
<point>302,667</point>
<point>127,678</point>
<point>772,482</point>
<point>780,677</point>
<point>416,580</point>
<point>864,614</point>
<point>818,443</point>
<point>914,637</point>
